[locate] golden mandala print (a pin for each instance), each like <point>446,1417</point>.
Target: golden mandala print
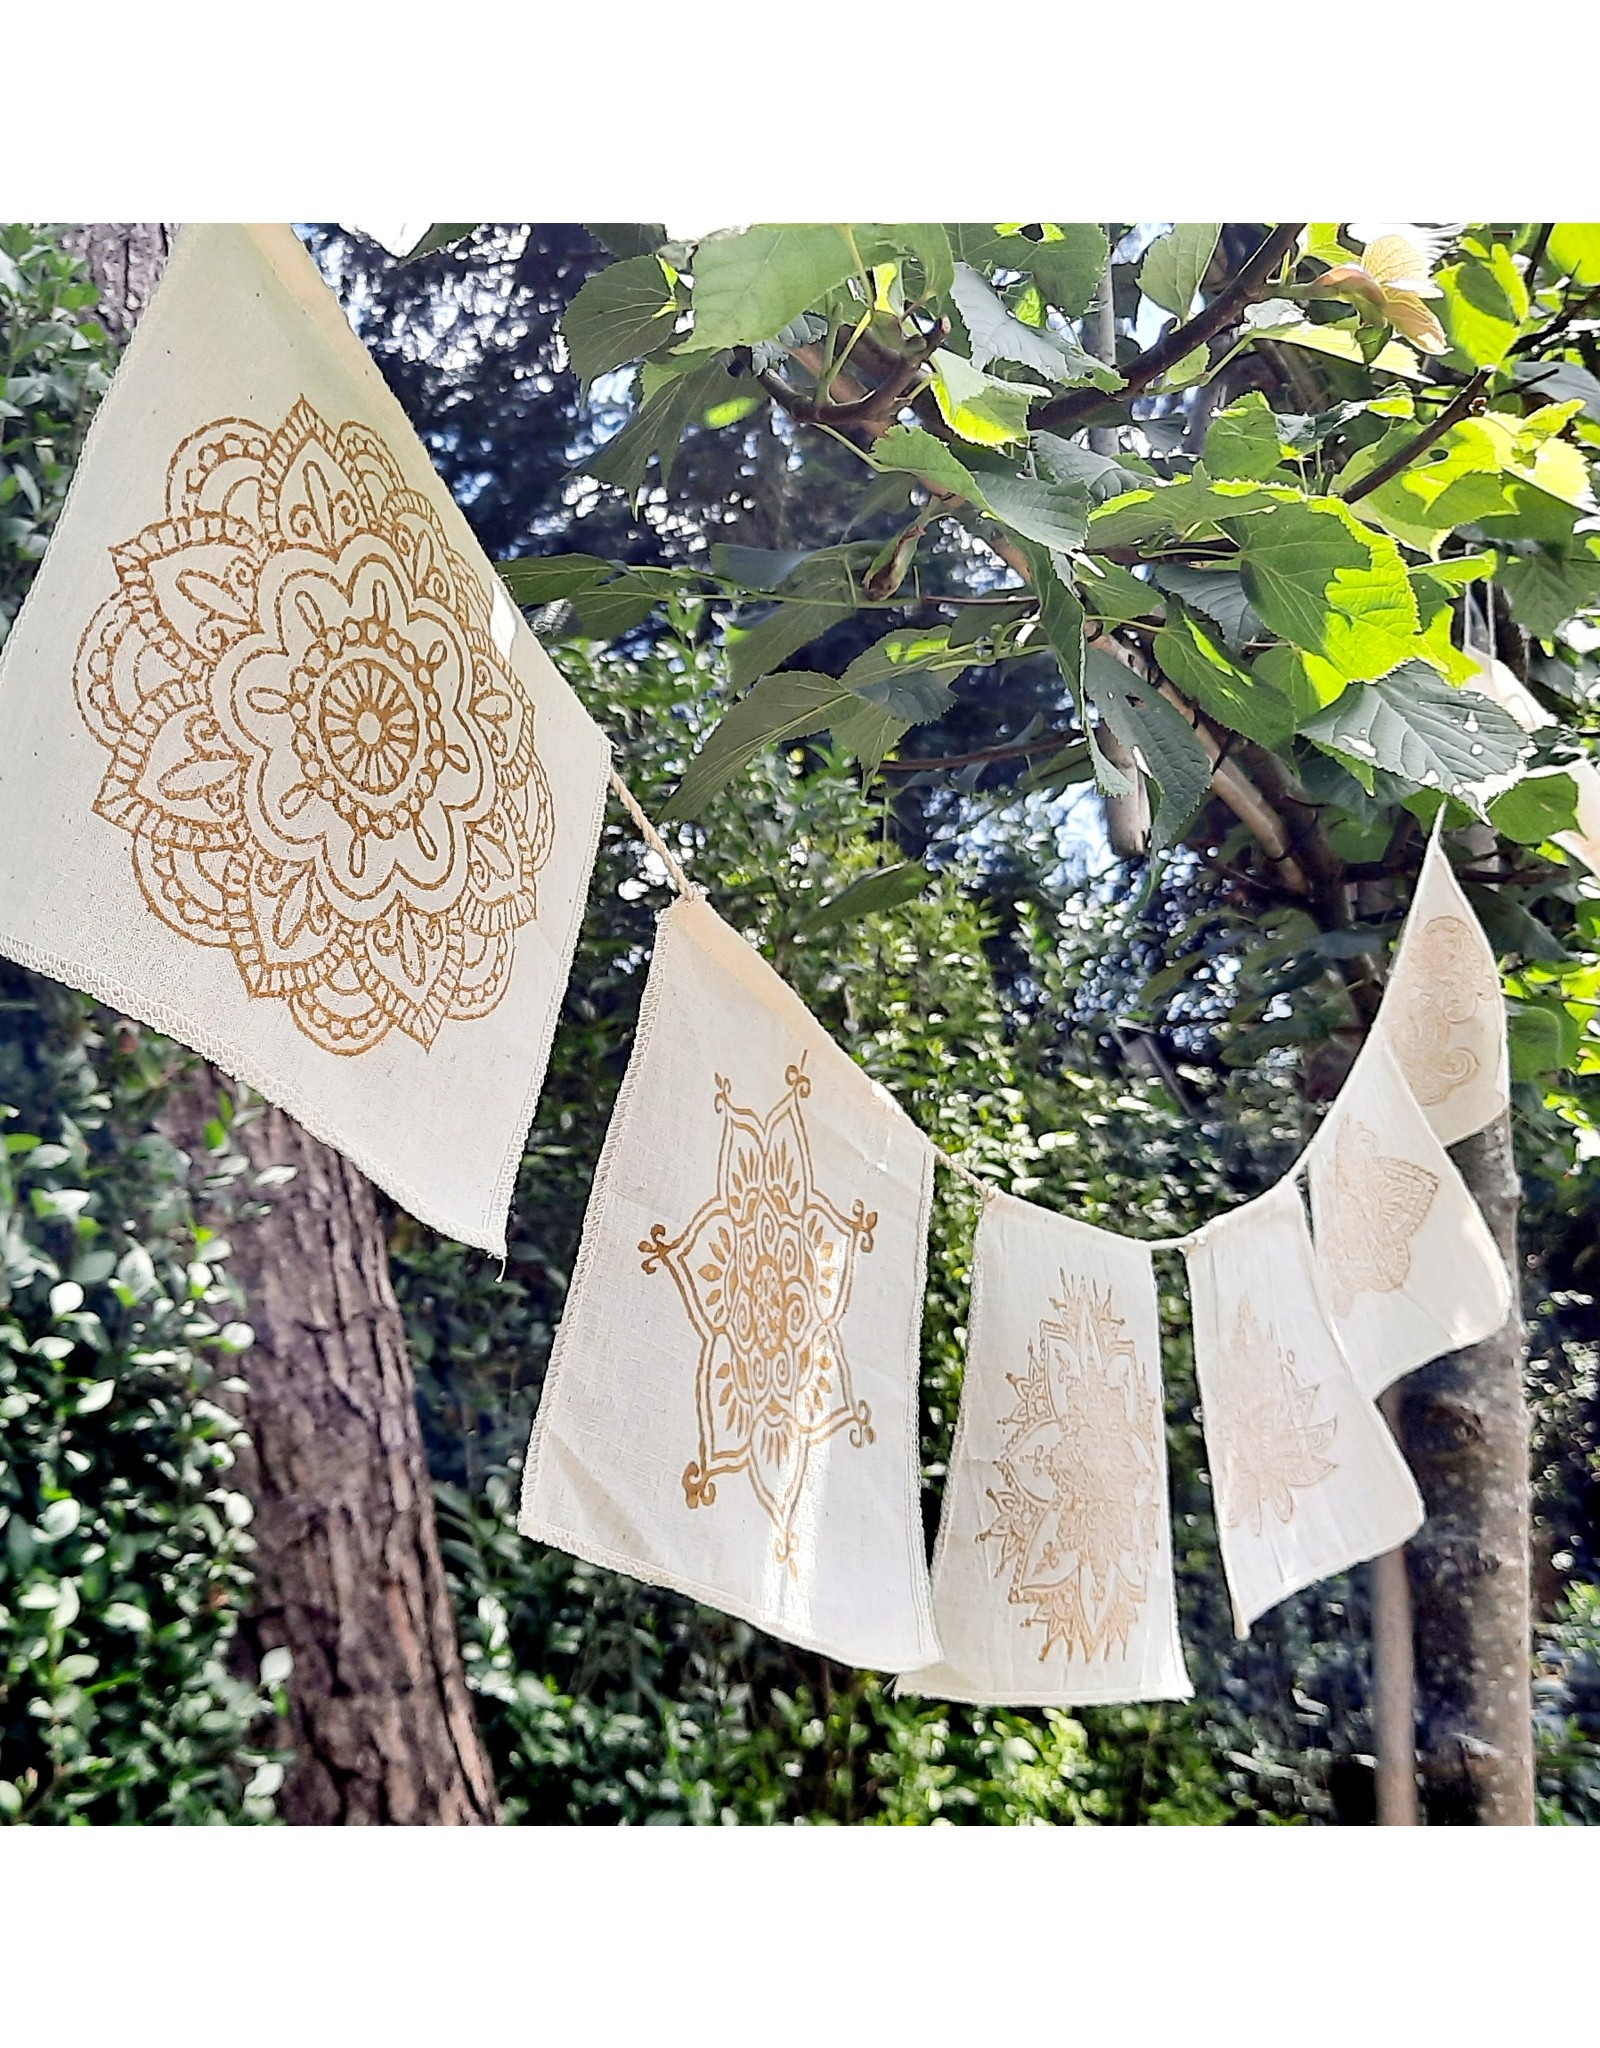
<point>322,759</point>
<point>1078,1499</point>
<point>1373,1207</point>
<point>1272,1441</point>
<point>1446,980</point>
<point>765,1269</point>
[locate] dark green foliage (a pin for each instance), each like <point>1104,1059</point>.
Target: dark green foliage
<point>124,1541</point>
<point>54,364</point>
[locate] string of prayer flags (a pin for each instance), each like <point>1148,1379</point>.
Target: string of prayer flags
<point>1306,1476</point>
<point>731,1408</point>
<point>1052,1573</point>
<point>1406,1262</point>
<point>1442,1014</point>
<point>283,772</point>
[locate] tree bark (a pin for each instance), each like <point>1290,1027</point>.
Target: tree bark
<point>1466,1432</point>
<point>126,259</point>
<point>350,1578</point>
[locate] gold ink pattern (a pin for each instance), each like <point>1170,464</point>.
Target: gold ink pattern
<point>1372,1207</point>
<point>765,1270</point>
<point>1446,978</point>
<point>322,759</point>
<point>1078,1500</point>
<point>1272,1442</point>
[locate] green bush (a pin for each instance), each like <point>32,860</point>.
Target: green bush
<point>124,1543</point>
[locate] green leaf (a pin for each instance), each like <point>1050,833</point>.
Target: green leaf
<point>904,673</point>
<point>1243,441</point>
<point>996,336</point>
<point>1061,615</point>
<point>1485,304</point>
<point>1068,264</point>
<point>1574,247</point>
<point>654,432</point>
<point>748,286</point>
<point>1115,595</point>
<point>1160,738</point>
<point>1543,1039</point>
<point>1333,586</point>
<point>1160,511</point>
<point>990,411</point>
<point>925,243</point>
<point>629,238</point>
<point>1218,596</point>
<point>1413,725</point>
<point>621,313</point>
<point>790,705</point>
<point>1536,809</point>
<point>1056,516</point>
<point>1066,261</point>
<point>866,730</point>
<point>1549,586</point>
<point>819,590</point>
<point>546,579</point>
<point>884,889</point>
<point>755,651</point>
<point>915,450</point>
<point>1175,264</point>
<point>1069,462</point>
<point>1204,674</point>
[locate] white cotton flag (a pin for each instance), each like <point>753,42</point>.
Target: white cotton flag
<point>282,770</point>
<point>1508,690</point>
<point>1306,1476</point>
<point>1407,1265</point>
<point>1443,1015</point>
<point>732,1404</point>
<point>1052,1575</point>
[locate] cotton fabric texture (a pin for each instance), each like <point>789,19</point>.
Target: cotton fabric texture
<point>1443,1016</point>
<point>731,1406</point>
<point>1405,1260</point>
<point>1052,1575</point>
<point>283,773</point>
<point>1306,1476</point>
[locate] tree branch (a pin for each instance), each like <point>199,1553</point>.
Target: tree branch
<point>1154,364</point>
<point>1469,399</point>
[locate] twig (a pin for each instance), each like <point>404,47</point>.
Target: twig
<point>1183,340</point>
<point>1469,399</point>
<point>1009,752</point>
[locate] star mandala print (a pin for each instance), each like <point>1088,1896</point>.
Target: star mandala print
<point>765,1270</point>
<point>1077,1503</point>
<point>1376,1205</point>
<point>322,760</point>
<point>1273,1440</point>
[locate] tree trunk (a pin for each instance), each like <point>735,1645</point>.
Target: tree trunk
<point>350,1576</point>
<point>126,259</point>
<point>1466,1432</point>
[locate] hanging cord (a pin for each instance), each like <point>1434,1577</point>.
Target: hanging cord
<point>653,839</point>
<point>984,1188</point>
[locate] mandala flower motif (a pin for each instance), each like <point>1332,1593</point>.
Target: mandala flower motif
<point>1273,1440</point>
<point>324,762</point>
<point>1446,979</point>
<point>1078,1498</point>
<point>1373,1206</point>
<point>765,1271</point>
